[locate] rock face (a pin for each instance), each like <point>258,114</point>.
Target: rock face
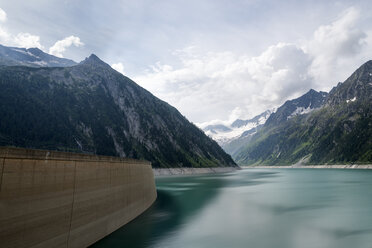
<point>32,57</point>
<point>340,131</point>
<point>92,108</point>
<point>357,87</point>
<point>302,105</point>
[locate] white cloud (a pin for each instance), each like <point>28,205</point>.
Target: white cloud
<point>60,46</point>
<point>4,35</point>
<point>214,86</point>
<point>2,15</point>
<point>27,40</point>
<point>220,87</point>
<point>341,38</point>
<point>335,48</point>
<point>118,67</point>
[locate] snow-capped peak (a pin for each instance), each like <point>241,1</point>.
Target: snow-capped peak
<point>223,133</point>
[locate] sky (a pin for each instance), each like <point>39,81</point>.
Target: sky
<point>214,60</point>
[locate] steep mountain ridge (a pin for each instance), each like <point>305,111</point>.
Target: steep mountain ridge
<point>92,108</point>
<point>33,57</point>
<point>357,86</point>
<point>301,105</point>
<point>338,132</point>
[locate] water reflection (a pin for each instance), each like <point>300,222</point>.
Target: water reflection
<point>287,209</point>
<point>179,198</point>
<point>260,208</point>
<point>343,233</point>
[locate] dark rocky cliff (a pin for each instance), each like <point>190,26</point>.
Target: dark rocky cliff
<point>94,109</point>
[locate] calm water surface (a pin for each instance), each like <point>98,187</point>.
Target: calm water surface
<point>258,208</point>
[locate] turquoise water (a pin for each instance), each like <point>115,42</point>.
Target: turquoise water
<point>258,208</point>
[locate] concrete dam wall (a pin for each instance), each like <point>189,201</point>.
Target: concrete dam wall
<point>56,199</point>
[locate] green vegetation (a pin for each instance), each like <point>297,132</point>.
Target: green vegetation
<point>338,133</point>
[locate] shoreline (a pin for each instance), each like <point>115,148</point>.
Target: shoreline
<point>345,166</point>
<point>158,172</point>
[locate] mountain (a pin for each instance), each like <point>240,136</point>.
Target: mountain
<point>358,87</point>
<point>299,106</point>
<point>257,120</point>
<point>219,128</point>
<point>340,131</point>
<point>92,108</point>
<point>224,134</point>
<point>33,57</point>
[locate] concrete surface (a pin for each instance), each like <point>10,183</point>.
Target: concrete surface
<point>56,199</point>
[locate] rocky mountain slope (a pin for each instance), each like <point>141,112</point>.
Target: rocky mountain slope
<point>32,57</point>
<point>302,105</point>
<point>92,108</point>
<point>340,131</point>
<point>236,136</point>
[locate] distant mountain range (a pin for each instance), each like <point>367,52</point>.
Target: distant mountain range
<point>317,128</point>
<point>230,137</point>
<point>32,57</point>
<point>52,103</point>
<point>224,133</point>
<point>236,136</point>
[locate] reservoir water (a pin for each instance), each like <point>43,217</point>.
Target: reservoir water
<point>258,208</point>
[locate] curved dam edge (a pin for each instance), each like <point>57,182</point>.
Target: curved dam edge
<point>58,199</point>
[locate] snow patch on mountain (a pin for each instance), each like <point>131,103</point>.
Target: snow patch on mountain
<point>224,136</point>
<point>25,52</point>
<point>34,57</point>
<point>40,63</point>
<point>224,133</point>
<point>351,100</point>
<point>300,111</point>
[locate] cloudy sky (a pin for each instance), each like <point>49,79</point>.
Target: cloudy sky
<point>214,60</point>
